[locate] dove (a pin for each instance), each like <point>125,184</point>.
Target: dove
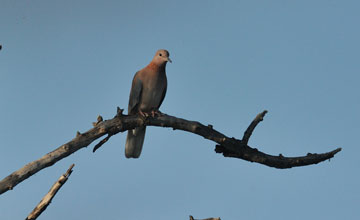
<point>146,95</point>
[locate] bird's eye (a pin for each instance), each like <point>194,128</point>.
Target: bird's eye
<point>160,54</point>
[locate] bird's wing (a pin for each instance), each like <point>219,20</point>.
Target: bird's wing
<point>162,96</point>
<point>135,95</point>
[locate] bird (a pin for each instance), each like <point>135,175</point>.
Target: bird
<point>147,93</point>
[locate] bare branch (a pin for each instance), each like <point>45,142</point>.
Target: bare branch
<point>192,218</point>
<point>103,141</point>
<point>45,202</point>
<point>229,147</point>
<point>280,162</point>
<point>252,126</point>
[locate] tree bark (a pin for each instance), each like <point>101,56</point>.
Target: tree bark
<point>45,202</point>
<point>229,147</point>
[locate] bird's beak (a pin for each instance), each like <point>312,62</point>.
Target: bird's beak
<point>168,59</point>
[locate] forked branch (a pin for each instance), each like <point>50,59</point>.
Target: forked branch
<point>229,147</point>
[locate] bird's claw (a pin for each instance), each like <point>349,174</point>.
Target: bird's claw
<point>143,114</point>
<point>152,113</point>
<point>156,113</point>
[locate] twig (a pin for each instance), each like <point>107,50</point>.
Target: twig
<point>103,141</point>
<point>252,126</point>
<point>45,202</point>
<point>229,147</point>
<point>192,218</point>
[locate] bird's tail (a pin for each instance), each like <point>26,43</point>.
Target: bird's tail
<point>134,142</point>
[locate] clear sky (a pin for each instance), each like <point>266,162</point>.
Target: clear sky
<point>65,62</point>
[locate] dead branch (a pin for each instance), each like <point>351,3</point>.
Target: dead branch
<point>252,126</point>
<point>192,218</point>
<point>45,202</point>
<point>229,147</point>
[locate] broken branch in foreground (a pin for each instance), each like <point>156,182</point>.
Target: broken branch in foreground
<point>192,218</point>
<point>45,202</point>
<point>229,147</point>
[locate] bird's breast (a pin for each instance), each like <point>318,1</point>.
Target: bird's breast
<point>152,93</point>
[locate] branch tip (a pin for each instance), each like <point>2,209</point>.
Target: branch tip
<point>46,200</point>
<point>337,150</point>
<point>98,120</point>
<point>119,112</point>
<point>69,171</point>
<point>261,115</point>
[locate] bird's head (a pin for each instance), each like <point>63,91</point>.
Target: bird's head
<point>161,57</point>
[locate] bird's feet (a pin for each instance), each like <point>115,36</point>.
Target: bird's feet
<point>143,114</point>
<point>156,113</point>
<point>152,113</point>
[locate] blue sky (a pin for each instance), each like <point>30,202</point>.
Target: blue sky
<point>65,62</point>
